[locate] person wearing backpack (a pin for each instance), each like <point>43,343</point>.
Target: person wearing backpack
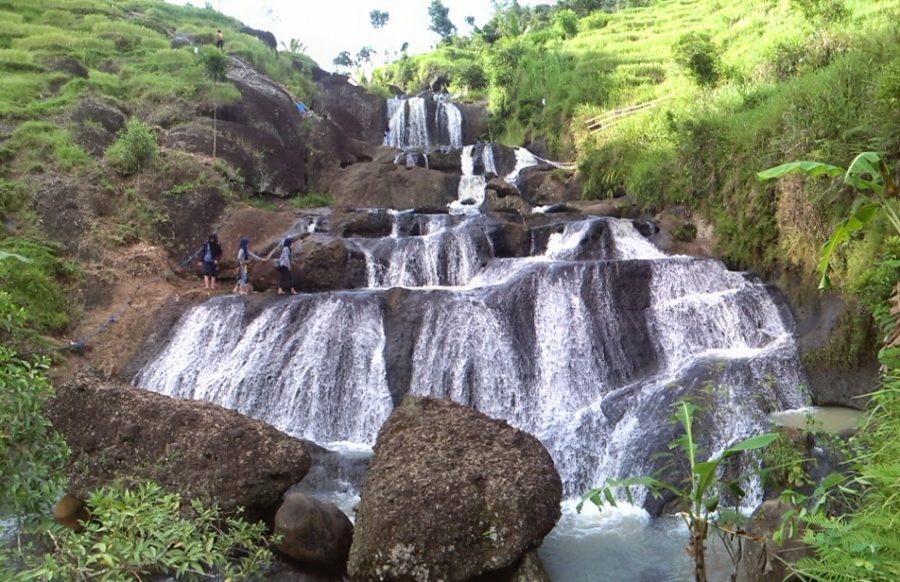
<point>209,254</point>
<point>285,280</point>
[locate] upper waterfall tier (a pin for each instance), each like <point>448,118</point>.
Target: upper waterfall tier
<point>424,124</point>
<point>586,343</point>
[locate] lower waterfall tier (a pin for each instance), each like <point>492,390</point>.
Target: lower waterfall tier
<point>588,355</point>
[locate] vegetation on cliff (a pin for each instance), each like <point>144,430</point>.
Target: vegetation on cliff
<point>78,79</point>
<point>736,86</point>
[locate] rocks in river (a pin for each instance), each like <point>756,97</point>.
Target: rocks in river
<point>501,187</point>
<point>451,494</point>
<point>313,531</point>
<point>197,449</point>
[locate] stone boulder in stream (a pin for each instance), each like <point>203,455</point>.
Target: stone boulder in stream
<point>313,531</point>
<point>194,448</point>
<point>451,494</point>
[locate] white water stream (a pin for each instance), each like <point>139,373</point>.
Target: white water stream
<point>586,344</point>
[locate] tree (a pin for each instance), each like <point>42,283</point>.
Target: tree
<point>817,11</point>
<point>868,173</point>
<point>567,22</point>
<point>364,56</point>
<point>379,18</point>
<point>343,60</point>
<point>699,55</point>
<point>700,493</point>
<point>215,65</point>
<point>440,20</point>
<point>295,46</point>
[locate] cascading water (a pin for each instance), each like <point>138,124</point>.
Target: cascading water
<point>423,124</point>
<point>586,344</point>
<point>470,193</point>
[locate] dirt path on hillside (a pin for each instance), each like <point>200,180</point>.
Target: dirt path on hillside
<point>146,295</point>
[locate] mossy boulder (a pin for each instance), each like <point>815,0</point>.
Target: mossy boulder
<point>451,494</point>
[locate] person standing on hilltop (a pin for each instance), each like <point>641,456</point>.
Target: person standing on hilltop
<point>209,254</point>
<point>220,40</point>
<point>285,280</point>
<point>243,262</point>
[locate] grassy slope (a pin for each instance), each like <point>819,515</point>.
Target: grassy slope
<point>124,47</point>
<point>789,89</point>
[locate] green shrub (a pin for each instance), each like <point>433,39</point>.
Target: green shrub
<point>134,149</point>
<point>12,197</point>
<point>40,286</point>
<point>822,10</point>
<point>31,452</point>
<point>567,22</point>
<point>35,143</point>
<point>699,55</point>
<point>58,18</point>
<point>596,21</point>
<point>312,200</point>
<point>141,533</point>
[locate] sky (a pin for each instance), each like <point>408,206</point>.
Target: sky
<point>328,27</point>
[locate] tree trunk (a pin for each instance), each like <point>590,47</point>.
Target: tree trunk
<point>215,127</point>
<point>697,549</point>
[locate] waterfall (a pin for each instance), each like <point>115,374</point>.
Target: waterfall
<point>586,343</point>
<point>442,253</point>
<point>487,159</point>
<point>423,124</point>
<point>313,367</point>
<point>470,192</point>
<point>524,159</point>
<point>448,120</point>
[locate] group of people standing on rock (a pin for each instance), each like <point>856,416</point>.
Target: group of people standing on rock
<point>211,252</point>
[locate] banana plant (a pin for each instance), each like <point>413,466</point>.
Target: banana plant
<point>877,192</point>
<point>700,494</point>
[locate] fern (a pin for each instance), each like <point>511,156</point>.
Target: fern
<point>864,545</point>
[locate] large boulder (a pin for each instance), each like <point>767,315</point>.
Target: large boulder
<point>360,115</point>
<point>277,149</point>
<point>197,449</point>
<point>362,223</point>
<point>541,187</point>
<point>328,263</point>
<point>319,263</point>
<point>264,35</point>
<point>313,531</point>
<point>475,121</point>
<point>451,494</point>
<point>266,163</point>
<point>264,228</point>
<point>386,185</point>
<point>95,124</point>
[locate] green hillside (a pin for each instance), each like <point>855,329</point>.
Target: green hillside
<point>57,55</point>
<point>788,85</point>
